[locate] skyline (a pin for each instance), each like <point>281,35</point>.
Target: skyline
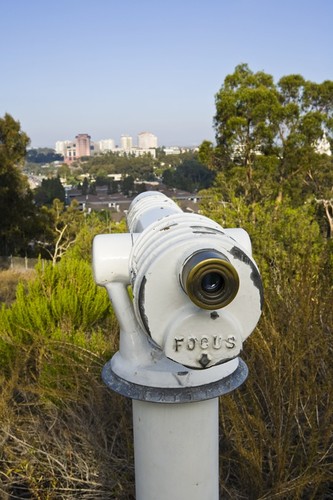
<point>113,68</point>
<point>116,140</point>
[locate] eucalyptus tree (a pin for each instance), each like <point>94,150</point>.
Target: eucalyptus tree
<point>267,134</point>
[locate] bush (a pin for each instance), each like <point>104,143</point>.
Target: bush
<point>64,435</point>
<point>62,432</point>
<point>277,429</point>
<point>62,297</point>
<point>9,280</point>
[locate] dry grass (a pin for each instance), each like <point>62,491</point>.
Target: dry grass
<point>9,280</point>
<point>277,429</point>
<point>63,434</point>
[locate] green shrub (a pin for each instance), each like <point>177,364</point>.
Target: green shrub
<point>61,297</point>
<point>61,305</point>
<point>58,420</point>
<point>64,435</point>
<point>277,429</point>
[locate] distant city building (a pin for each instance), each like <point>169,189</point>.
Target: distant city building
<point>142,152</point>
<point>126,143</point>
<point>70,153</point>
<point>105,145</point>
<point>115,177</point>
<point>172,150</point>
<point>61,147</point>
<point>83,146</point>
<point>73,150</point>
<point>147,140</point>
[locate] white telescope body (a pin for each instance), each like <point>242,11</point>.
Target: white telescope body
<point>187,293</point>
<point>197,293</point>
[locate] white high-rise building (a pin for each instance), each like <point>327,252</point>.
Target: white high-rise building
<point>147,140</point>
<point>61,147</point>
<point>106,145</point>
<point>126,142</point>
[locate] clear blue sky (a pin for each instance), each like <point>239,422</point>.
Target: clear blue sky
<point>110,67</point>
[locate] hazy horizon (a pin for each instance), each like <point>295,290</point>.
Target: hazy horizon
<point>112,68</point>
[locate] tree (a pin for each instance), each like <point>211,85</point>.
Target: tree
<point>50,190</point>
<point>245,120</point>
<point>190,175</point>
<point>43,155</point>
<point>85,186</point>
<point>62,230</point>
<point>141,168</point>
<point>127,184</point>
<point>168,177</point>
<point>328,208</point>
<point>13,143</point>
<point>18,213</point>
<point>267,131</point>
<point>206,152</point>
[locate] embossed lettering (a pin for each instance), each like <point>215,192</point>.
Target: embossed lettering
<point>230,342</point>
<point>178,342</point>
<point>217,342</point>
<point>191,343</point>
<point>204,342</point>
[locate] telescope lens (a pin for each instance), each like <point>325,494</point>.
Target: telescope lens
<point>212,283</point>
<point>209,279</point>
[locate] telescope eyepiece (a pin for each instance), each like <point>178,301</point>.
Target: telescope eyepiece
<point>212,282</point>
<point>209,279</point>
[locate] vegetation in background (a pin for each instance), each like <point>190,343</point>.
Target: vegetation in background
<point>267,137</point>
<point>18,214</point>
<point>141,168</point>
<point>42,156</point>
<point>190,175</point>
<point>49,190</point>
<point>64,435</point>
<point>60,428</point>
<point>277,429</point>
<point>9,281</point>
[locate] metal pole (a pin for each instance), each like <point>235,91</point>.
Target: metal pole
<point>176,450</point>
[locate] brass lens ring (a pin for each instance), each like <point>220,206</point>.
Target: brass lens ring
<point>209,279</point>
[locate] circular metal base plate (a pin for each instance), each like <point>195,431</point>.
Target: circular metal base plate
<point>174,394</point>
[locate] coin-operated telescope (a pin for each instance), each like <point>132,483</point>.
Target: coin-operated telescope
<point>187,293</point>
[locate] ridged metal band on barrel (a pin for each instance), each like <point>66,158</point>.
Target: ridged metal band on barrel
<point>145,203</point>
